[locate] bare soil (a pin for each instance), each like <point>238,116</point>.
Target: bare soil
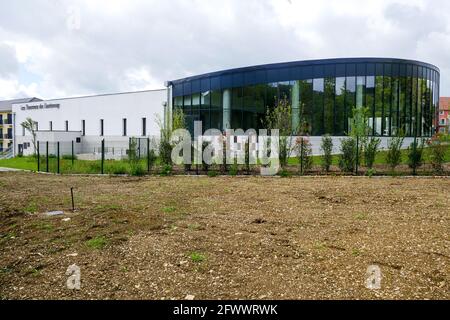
<point>224,237</point>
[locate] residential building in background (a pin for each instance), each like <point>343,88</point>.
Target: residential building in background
<point>444,115</point>
<point>7,122</point>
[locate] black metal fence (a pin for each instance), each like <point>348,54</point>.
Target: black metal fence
<point>137,156</point>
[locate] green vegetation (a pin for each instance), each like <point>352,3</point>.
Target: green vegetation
<point>197,257</point>
<point>327,148</point>
<point>169,209</point>
<point>98,242</point>
<point>415,155</point>
<point>394,153</point>
<point>304,151</point>
<point>347,159</point>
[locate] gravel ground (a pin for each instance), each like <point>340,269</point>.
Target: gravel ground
<point>224,237</point>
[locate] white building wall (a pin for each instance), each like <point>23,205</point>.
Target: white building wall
<point>112,108</point>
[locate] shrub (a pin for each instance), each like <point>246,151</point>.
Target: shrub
<point>165,152</point>
<point>327,148</point>
<point>151,159</point>
<point>284,173</point>
<point>437,149</point>
<point>212,173</point>
<point>234,168</point>
<point>370,151</point>
<point>304,151</point>
<point>69,157</point>
<point>116,168</point>
<point>166,170</point>
<point>415,155</point>
<point>347,158</point>
<point>136,169</point>
<point>394,153</point>
<point>280,117</point>
<point>370,172</point>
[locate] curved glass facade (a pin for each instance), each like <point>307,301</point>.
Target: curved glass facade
<point>400,94</point>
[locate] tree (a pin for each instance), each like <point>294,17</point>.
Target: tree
<point>415,155</point>
<point>280,117</point>
<point>165,146</point>
<point>437,147</point>
<point>304,154</point>
<point>394,153</point>
<point>327,148</point>
<point>30,125</point>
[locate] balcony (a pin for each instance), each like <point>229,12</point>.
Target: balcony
<point>5,136</point>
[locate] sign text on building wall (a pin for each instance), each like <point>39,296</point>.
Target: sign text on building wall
<point>40,106</point>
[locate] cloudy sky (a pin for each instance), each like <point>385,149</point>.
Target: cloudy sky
<point>60,48</point>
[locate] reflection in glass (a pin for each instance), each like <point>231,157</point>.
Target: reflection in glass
<point>340,106</point>
<point>317,125</point>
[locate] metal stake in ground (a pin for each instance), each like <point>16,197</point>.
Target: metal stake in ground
<point>73,203</point>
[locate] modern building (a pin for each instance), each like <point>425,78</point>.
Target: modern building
<point>6,122</point>
<point>90,119</point>
<point>399,94</point>
<point>444,115</point>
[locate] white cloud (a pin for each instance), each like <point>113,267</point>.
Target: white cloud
<point>133,45</point>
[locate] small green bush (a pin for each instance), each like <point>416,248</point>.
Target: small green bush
<point>233,169</point>
<point>347,158</point>
<point>370,151</point>
<point>437,150</point>
<point>284,173</point>
<point>394,153</point>
<point>116,168</point>
<point>415,154</point>
<point>165,152</point>
<point>212,173</point>
<point>136,169</point>
<point>304,152</point>
<point>327,149</point>
<point>69,157</point>
<point>370,172</point>
<point>166,170</point>
<point>151,158</point>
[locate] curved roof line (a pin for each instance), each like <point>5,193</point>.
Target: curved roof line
<point>305,63</point>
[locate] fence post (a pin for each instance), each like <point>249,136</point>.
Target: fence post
<point>415,141</point>
<point>301,157</point>
<point>148,154</point>
<point>38,157</point>
<point>139,148</point>
<point>103,154</point>
<point>73,154</point>
<point>357,154</point>
<point>57,155</point>
<point>46,155</point>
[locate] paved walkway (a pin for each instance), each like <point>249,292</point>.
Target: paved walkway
<point>3,169</point>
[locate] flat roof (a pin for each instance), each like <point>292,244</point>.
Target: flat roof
<point>305,63</point>
<point>93,96</point>
<point>6,105</point>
